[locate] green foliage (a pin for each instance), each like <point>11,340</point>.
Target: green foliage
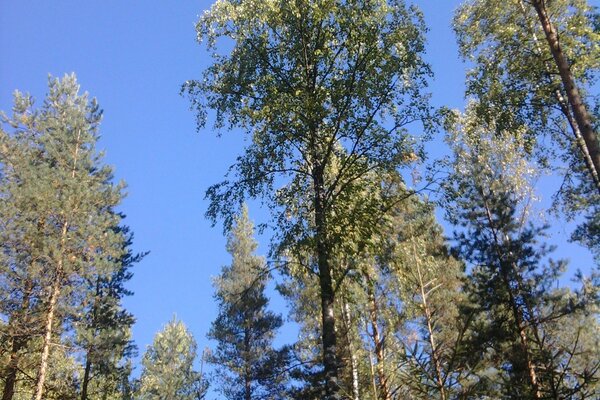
<point>518,86</point>
<point>168,366</point>
<point>326,90</point>
<point>322,87</point>
<point>513,286</point>
<point>103,327</point>
<point>59,232</point>
<point>512,74</point>
<point>247,365</point>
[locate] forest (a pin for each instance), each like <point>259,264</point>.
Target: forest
<point>404,272</point>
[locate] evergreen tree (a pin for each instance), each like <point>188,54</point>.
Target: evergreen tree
<point>103,329</point>
<point>513,283</point>
<point>21,239</point>
<point>402,295</point>
<point>60,227</point>
<point>422,287</point>
<point>168,366</point>
<point>248,367</point>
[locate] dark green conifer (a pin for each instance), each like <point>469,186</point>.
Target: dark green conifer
<point>247,365</point>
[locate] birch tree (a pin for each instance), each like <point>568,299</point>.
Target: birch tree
<point>312,83</point>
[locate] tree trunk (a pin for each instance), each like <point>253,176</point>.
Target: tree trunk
<point>519,326</point>
<point>429,318</point>
<point>371,364</point>
<point>580,113</point>
<point>329,341</point>
<point>86,377</point>
<point>12,368</point>
<point>378,341</point>
<point>39,388</point>
<point>565,109</point>
<point>353,358</point>
<point>329,337</point>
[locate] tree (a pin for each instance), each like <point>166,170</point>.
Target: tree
<point>535,65</point>
<point>103,326</point>
<point>423,286</point>
<point>525,78</point>
<point>168,366</point>
<point>248,367</point>
<point>591,144</point>
<point>399,312</point>
<point>59,216</point>
<point>513,284</point>
<point>327,90</point>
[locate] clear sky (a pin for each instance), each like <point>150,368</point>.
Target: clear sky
<point>133,57</point>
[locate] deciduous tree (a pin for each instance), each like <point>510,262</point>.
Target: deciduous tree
<point>326,90</point>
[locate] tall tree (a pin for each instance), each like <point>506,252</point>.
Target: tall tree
<point>168,366</point>
<point>326,89</point>
<point>103,326</point>
<point>248,366</point>
<point>59,229</point>
<point>424,295</point>
<point>579,110</point>
<point>399,298</point>
<point>58,219</point>
<point>532,58</point>
<point>513,284</point>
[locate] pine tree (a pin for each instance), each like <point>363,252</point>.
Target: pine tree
<point>21,238</point>
<point>248,367</point>
<point>168,366</point>
<point>422,284</point>
<point>59,223</point>
<point>512,283</point>
<point>387,324</point>
<point>103,327</point>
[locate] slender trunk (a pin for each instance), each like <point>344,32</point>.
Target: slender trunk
<point>86,377</point>
<point>371,364</point>
<point>524,340</point>
<point>378,341</point>
<point>329,340</point>
<point>39,387</point>
<point>429,319</point>
<point>564,108</point>
<point>353,360</point>
<point>580,113</point>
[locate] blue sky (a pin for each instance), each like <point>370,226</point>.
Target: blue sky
<point>133,57</point>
